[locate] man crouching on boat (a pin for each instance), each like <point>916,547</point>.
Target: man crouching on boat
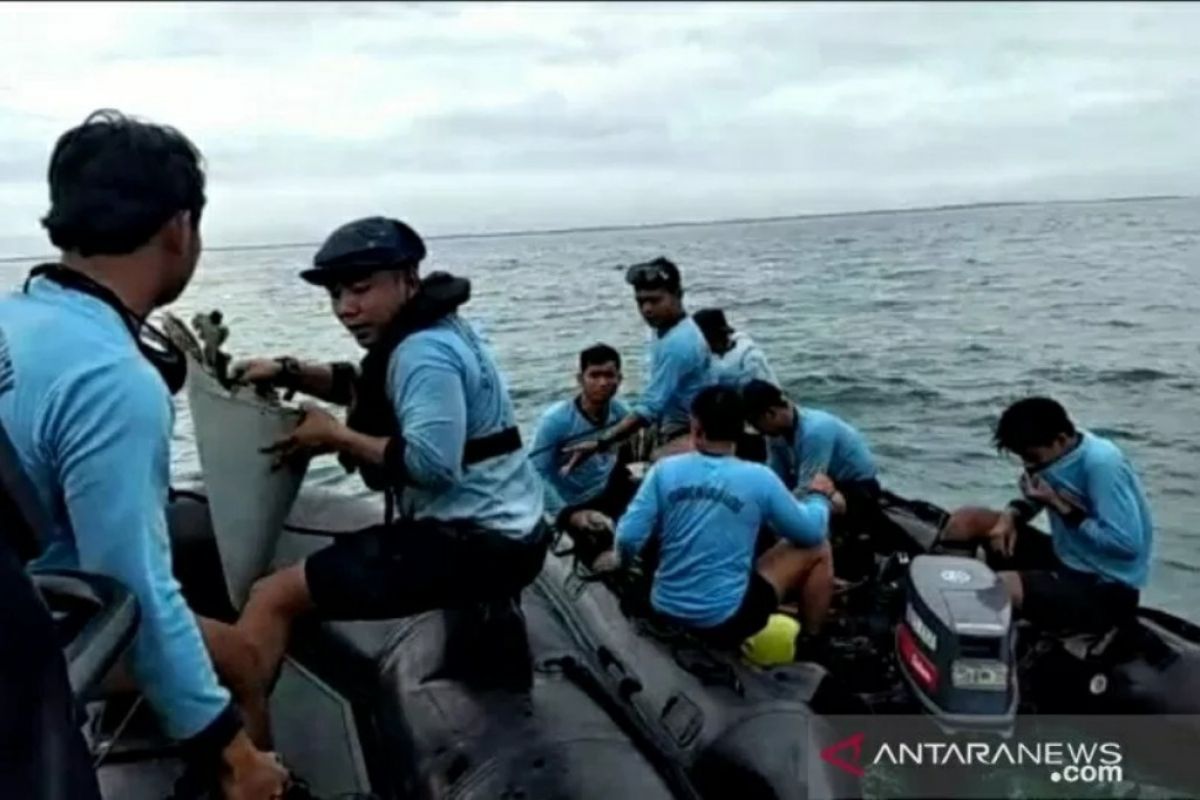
<point>430,423</point>
<point>707,507</point>
<point>591,497</point>
<point>1087,574</point>
<point>680,365</point>
<point>803,442</point>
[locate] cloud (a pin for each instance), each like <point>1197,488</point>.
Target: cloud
<point>484,116</point>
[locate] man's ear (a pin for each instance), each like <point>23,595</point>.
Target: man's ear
<point>176,233</point>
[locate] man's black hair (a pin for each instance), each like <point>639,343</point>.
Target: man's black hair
<point>1032,422</point>
<point>759,397</point>
<point>115,181</point>
<point>598,355</point>
<point>718,409</point>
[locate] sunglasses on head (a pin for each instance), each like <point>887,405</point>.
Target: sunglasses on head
<point>651,273</point>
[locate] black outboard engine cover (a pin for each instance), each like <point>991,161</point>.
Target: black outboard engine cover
<point>955,642</point>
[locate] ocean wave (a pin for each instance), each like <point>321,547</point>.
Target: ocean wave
<point>1129,376</point>
<point>1180,565</point>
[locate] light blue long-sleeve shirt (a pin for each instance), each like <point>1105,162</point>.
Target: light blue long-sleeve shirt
<point>821,442</point>
<point>446,388</point>
<point>742,363</point>
<point>91,422</point>
<point>1116,537</point>
<point>680,367</point>
<point>707,511</point>
<point>563,423</point>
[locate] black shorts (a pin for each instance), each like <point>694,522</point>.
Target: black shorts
<point>1057,597</point>
<point>410,566</point>
<point>751,616</point>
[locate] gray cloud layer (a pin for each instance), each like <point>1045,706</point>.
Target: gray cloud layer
<point>468,118</point>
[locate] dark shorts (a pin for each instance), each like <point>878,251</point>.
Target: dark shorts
<point>1058,597</point>
<point>411,566</point>
<point>751,617</point>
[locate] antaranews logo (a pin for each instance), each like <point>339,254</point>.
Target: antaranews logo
<point>1068,762</point>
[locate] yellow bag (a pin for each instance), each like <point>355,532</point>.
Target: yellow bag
<point>775,644</point>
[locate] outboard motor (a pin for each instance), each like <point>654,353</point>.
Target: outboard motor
<point>955,643</point>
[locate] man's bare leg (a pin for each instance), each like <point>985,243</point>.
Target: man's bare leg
<point>266,622</point>
<point>236,662</point>
<point>975,524</point>
<point>970,524</point>
<point>806,572</point>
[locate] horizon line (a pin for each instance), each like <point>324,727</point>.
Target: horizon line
<point>698,223</point>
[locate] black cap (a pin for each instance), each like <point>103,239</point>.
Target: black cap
<point>364,246</point>
<point>712,321</point>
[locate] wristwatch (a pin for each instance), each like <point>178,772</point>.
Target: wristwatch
<point>289,375</point>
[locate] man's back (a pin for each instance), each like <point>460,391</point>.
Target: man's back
<point>822,443</point>
<point>680,367</point>
<point>742,363</point>
<point>90,420</point>
<point>63,348</point>
<point>444,378</point>
<point>1116,536</point>
<point>707,511</point>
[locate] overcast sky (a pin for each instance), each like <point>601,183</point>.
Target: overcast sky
<point>470,118</point>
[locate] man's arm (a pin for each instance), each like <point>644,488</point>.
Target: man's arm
<point>544,454</point>
<point>109,434</point>
<point>804,521</point>
<point>331,382</point>
<point>430,402</point>
<point>639,520</point>
<point>816,451</point>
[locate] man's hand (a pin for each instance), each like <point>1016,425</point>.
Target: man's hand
<point>838,501</point>
<point>255,370</point>
<point>1003,535</point>
<point>249,773</point>
<point>1034,488</point>
<point>590,520</point>
<point>608,561</point>
<point>579,452</point>
<point>319,432</point>
<point>823,484</point>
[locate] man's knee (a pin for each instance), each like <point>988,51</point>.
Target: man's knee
<point>285,590</point>
<point>969,522</point>
<point>786,563</point>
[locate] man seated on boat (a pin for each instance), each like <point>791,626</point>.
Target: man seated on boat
<point>737,359</point>
<point>680,365</point>
<point>86,403</point>
<point>1088,573</point>
<point>807,442</point>
<point>592,496</point>
<point>705,508</point>
<point>431,424</point>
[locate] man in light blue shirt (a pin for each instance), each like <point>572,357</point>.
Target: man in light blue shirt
<point>587,500</point>
<point>431,424</point>
<point>680,364</point>
<point>87,405</point>
<point>706,508</point>
<point>737,359</point>
<point>1088,573</point>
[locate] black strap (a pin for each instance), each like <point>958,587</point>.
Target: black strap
<point>495,444</point>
